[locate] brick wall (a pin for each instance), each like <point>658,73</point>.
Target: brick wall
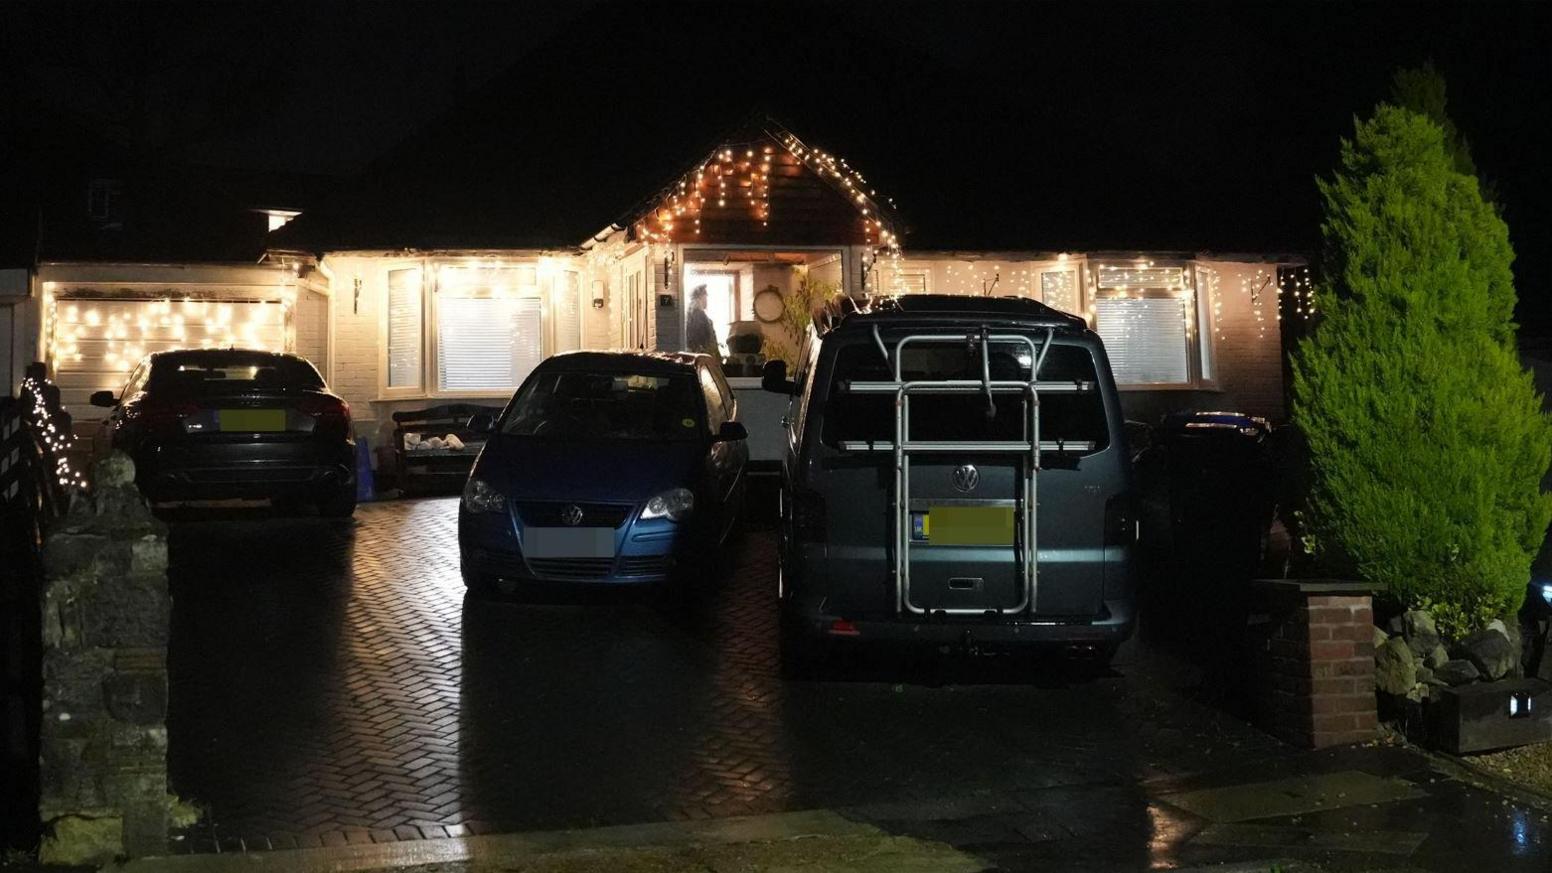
<point>1246,341</point>
<point>1315,676</point>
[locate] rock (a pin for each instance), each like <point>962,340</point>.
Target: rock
<point>1489,651</point>
<point>81,840</point>
<point>1511,629</point>
<point>1437,657</point>
<point>1418,694</point>
<point>1424,674</point>
<point>1421,634</point>
<point>1394,626</point>
<point>114,471</point>
<point>1395,670</point>
<point>1457,672</point>
<point>1379,638</point>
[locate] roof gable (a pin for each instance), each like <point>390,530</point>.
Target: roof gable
<point>763,185</point>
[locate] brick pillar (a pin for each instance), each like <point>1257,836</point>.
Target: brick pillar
<point>106,610</point>
<point>1315,662</point>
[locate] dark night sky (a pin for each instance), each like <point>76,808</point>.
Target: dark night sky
<point>1040,125</point>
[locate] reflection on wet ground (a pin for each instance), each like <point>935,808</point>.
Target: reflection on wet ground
<point>331,684</point>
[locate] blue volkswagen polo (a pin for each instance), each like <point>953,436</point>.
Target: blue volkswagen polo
<point>606,467</point>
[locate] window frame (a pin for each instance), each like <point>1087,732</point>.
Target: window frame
<point>384,389</point>
<point>430,351</point>
<point>1191,302</point>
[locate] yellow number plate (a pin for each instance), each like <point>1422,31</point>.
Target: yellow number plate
<point>253,420</point>
<point>970,526</point>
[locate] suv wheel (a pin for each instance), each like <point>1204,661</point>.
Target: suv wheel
<point>341,504</point>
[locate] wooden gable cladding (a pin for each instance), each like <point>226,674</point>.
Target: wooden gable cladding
<point>757,192</point>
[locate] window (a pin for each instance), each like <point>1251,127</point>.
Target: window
<point>572,405</point>
<point>716,408</point>
<point>105,200</point>
<point>912,283</point>
<point>1059,290</point>
<point>489,327</point>
<point>404,320</point>
<point>1146,315</point>
<point>568,312</point>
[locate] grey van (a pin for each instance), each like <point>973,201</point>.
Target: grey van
<point>956,473</point>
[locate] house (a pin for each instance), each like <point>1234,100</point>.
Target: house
<point>417,320</point>
<point>410,293</point>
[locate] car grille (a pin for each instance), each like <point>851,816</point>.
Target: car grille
<point>548,513</point>
<point>571,568</point>
<point>644,565</point>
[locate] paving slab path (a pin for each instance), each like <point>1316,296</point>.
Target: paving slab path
<point>333,687</point>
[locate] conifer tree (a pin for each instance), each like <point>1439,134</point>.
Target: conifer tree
<point>1426,437</point>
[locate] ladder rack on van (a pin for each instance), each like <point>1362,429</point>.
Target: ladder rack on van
<point>903,447</point>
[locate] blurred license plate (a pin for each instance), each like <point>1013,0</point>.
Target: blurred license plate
<point>968,526</point>
<point>252,420</point>
<point>569,542</point>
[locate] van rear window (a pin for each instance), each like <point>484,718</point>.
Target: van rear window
<point>1065,417</point>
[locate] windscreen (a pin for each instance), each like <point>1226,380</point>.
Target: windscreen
<point>232,372</point>
<point>1067,417</point>
<point>574,405</point>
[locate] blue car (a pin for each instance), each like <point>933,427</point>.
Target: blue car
<point>620,468</point>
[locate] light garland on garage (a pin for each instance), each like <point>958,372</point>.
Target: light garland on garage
<point>56,439</point>
<point>188,323</point>
<point>1207,277</point>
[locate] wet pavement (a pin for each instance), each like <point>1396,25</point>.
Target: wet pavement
<point>331,685</point>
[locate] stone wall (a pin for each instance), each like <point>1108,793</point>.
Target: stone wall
<point>106,613</point>
<point>1315,663</point>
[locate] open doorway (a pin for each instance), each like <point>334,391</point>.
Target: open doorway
<point>745,294</point>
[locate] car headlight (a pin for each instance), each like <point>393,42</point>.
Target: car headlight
<point>479,496</point>
<point>673,505</point>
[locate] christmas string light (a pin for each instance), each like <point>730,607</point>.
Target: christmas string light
<point>56,438</point>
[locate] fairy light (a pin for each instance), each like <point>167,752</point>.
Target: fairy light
<point>1295,282</point>
<point>56,438</point>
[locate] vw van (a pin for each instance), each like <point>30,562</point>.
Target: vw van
<point>956,474</point>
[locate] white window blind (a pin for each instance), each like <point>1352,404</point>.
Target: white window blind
<point>404,318</point>
<point>568,312</point>
<point>487,343</point>
<point>1145,339</point>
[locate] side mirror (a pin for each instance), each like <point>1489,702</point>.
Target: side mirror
<point>481,422</point>
<point>732,431</point>
<point>774,378</point>
<point>105,399</point>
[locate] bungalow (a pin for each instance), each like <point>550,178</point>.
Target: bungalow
<point>752,219</point>
<point>398,317</point>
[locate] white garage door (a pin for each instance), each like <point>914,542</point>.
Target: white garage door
<point>98,341</point>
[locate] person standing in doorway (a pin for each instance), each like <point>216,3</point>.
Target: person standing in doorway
<point>700,335</point>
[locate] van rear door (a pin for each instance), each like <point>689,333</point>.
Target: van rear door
<point>967,508</point>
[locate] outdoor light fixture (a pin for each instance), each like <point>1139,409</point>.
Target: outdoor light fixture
<point>1520,704</point>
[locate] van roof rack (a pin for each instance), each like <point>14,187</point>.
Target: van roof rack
<point>885,308</point>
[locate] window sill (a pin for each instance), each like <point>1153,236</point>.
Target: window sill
<point>1207,387</point>
<point>502,396</point>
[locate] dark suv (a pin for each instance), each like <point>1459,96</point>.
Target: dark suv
<point>209,424</point>
<point>956,473</point>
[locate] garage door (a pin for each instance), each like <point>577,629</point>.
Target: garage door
<point>98,341</point>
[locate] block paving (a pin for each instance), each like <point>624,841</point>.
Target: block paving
<point>332,685</point>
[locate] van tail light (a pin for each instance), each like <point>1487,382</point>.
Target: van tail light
<point>1120,521</point>
<point>808,516</point>
<point>327,408</point>
<point>165,416</point>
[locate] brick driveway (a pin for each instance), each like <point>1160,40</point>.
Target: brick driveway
<point>330,684</point>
